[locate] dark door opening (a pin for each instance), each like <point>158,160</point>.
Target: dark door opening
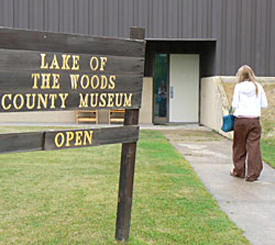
<point>161,65</point>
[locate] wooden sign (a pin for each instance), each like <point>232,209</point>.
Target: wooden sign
<point>67,72</point>
<point>42,71</point>
<point>63,139</point>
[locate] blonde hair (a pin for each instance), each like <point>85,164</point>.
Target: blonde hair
<point>245,73</point>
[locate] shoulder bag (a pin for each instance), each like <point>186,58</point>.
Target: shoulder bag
<point>228,122</point>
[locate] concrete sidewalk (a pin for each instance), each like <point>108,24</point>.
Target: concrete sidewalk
<point>250,205</point>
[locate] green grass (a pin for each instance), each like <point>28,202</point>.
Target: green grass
<point>268,151</point>
<point>70,197</point>
<point>268,142</point>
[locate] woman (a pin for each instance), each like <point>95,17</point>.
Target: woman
<point>248,99</point>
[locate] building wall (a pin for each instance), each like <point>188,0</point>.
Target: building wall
<point>146,111</point>
<point>38,117</point>
<point>210,109</point>
<point>244,29</point>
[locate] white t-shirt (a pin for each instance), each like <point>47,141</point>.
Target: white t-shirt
<point>245,101</point>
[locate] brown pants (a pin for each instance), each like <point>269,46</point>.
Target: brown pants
<point>247,135</point>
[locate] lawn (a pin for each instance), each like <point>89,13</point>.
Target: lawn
<point>70,197</point>
<point>268,151</point>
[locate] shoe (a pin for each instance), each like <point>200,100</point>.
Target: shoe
<point>233,174</point>
<point>251,179</point>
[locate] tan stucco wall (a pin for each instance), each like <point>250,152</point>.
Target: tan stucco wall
<point>215,103</point>
<point>146,110</point>
<point>39,117</point>
<point>210,110</point>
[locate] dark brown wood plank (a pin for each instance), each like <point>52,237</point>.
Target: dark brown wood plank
<point>23,82</point>
<point>53,140</point>
<point>28,60</point>
<point>21,142</point>
<point>64,139</point>
<point>117,135</point>
<point>71,43</point>
<point>25,102</point>
<point>127,168</point>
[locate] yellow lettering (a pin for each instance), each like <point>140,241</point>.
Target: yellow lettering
<point>94,63</point>
<point>83,102</point>
<point>54,64</point>
<point>78,139</point>
<point>3,101</point>
<point>65,65</point>
<point>112,81</point>
<point>127,100</point>
<point>15,101</point>
<point>43,64</point>
<point>35,77</point>
<point>45,80</point>
<point>59,143</point>
<point>52,98</point>
<point>94,99</point>
<point>102,102</point>
<point>82,83</point>
<point>70,136</point>
<point>63,98</point>
<point>119,99</point>
<point>104,82</point>
<point>103,61</point>
<point>28,100</point>
<point>74,81</point>
<point>93,78</point>
<point>75,62</point>
<point>42,98</point>
<point>88,135</point>
<point>56,82</point>
<point>110,100</point>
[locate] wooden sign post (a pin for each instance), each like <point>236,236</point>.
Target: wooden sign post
<point>127,168</point>
<point>41,71</point>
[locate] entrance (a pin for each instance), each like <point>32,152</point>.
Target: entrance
<point>184,88</point>
<point>179,64</point>
<point>176,88</point>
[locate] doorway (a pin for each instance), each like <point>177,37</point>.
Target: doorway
<point>161,51</point>
<point>184,88</point>
<point>176,88</point>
